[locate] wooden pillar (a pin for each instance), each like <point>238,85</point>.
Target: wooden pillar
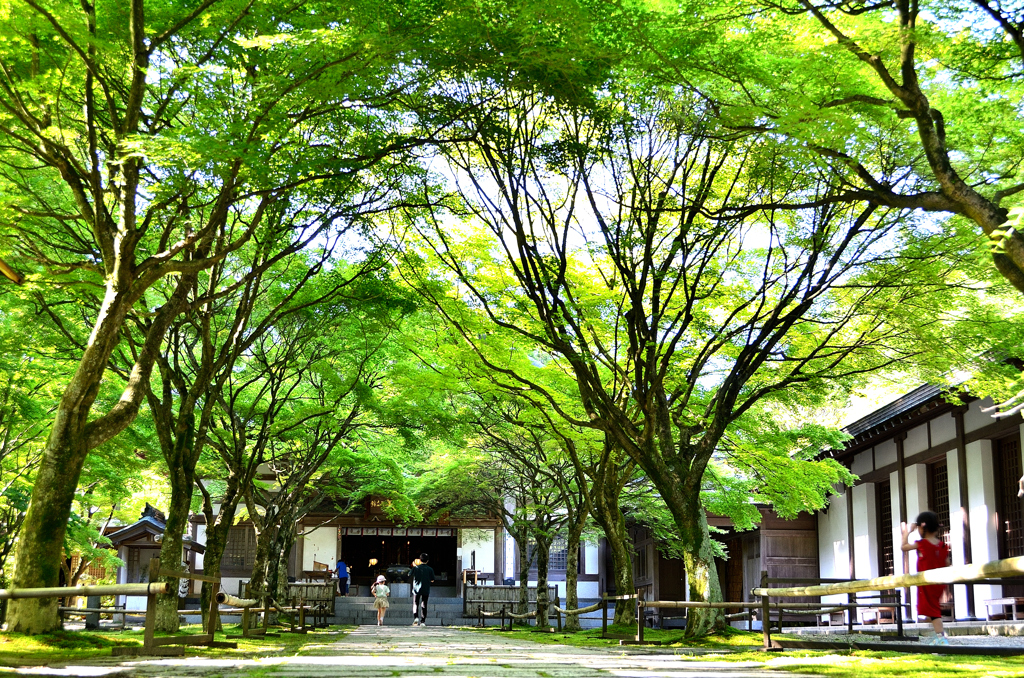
<point>901,477</point>
<point>849,530</point>
<point>149,633</point>
<point>965,502</point>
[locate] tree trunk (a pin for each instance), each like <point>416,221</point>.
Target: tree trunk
<point>38,559</point>
<point>572,560</point>
<point>216,541</point>
<point>524,578</point>
<point>543,556</point>
<point>258,580</point>
<point>71,437</point>
<point>701,573</point>
<point>609,516</point>
<point>182,480</point>
<point>218,529</point>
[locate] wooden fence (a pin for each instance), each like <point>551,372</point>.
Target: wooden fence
<point>476,599</point>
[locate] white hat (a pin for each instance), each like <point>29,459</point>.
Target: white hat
<point>380,578</point>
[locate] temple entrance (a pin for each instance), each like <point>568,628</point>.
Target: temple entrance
<point>359,551</point>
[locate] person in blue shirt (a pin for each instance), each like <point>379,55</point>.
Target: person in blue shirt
<point>342,574</point>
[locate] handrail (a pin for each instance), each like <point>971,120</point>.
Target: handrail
<point>702,604</point>
<point>944,575</point>
<point>152,588</point>
<point>592,608</point>
<point>228,599</point>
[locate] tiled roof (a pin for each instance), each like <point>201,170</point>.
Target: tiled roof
<point>902,405</point>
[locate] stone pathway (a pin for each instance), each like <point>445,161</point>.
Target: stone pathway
<point>434,652</point>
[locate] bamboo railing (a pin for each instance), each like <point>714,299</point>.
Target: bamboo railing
<point>956,574</point>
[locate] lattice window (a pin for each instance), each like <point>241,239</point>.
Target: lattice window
<point>135,574</point>
<point>940,498</point>
<point>558,554</point>
<point>641,567</point>
<point>887,554</point>
<point>240,551</point>
<point>1011,522</point>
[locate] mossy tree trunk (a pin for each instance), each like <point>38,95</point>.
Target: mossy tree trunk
<point>525,562</point>
<point>72,436</point>
<point>572,562</point>
<point>218,529</point>
<point>543,554</point>
<point>613,523</point>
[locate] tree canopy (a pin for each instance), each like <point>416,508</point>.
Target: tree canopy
<point>587,257</point>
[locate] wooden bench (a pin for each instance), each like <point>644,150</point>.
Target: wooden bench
<point>1002,603</point>
<point>878,614</point>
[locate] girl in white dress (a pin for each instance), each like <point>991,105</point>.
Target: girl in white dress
<point>380,593</point>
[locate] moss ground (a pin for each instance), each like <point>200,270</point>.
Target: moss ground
<point>734,645</point>
<point>64,647</point>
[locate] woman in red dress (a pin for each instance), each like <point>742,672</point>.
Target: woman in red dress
<point>932,553</point>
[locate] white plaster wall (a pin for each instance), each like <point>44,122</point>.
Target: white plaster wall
<point>590,558</point>
<point>917,501</point>
<point>559,584</point>
<point>865,531</point>
<point>885,454</point>
<point>481,541</point>
<point>231,584</point>
<point>833,561</point>
<point>982,496</point>
<point>943,429</point>
<point>200,539</point>
<point>320,545</point>
<point>826,564</point>
<point>862,463</point>
<point>917,440</point>
<point>956,532</point>
<point>974,418</point>
<point>135,602</point>
<point>588,589</point>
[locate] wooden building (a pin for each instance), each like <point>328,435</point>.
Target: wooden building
<point>927,451</point>
<point>783,548</point>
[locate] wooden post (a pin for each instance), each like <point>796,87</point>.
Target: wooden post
<point>266,612</point>
<point>213,618</point>
<point>246,616</point>
<point>302,614</point>
<point>765,630</point>
<point>851,598</point>
<point>503,618</point>
<point>604,614</point>
<point>901,475</point>
<point>899,613</point>
<point>149,635</point>
<point>961,469</point>
<point>640,615</point>
<point>849,537</point>
<point>558,618</point>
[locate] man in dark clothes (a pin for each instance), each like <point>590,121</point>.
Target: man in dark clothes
<point>422,577</point>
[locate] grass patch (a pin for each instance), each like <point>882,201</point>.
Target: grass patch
<point>64,647</point>
<point>890,664</point>
<point>743,646</point>
<point>729,638</point>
